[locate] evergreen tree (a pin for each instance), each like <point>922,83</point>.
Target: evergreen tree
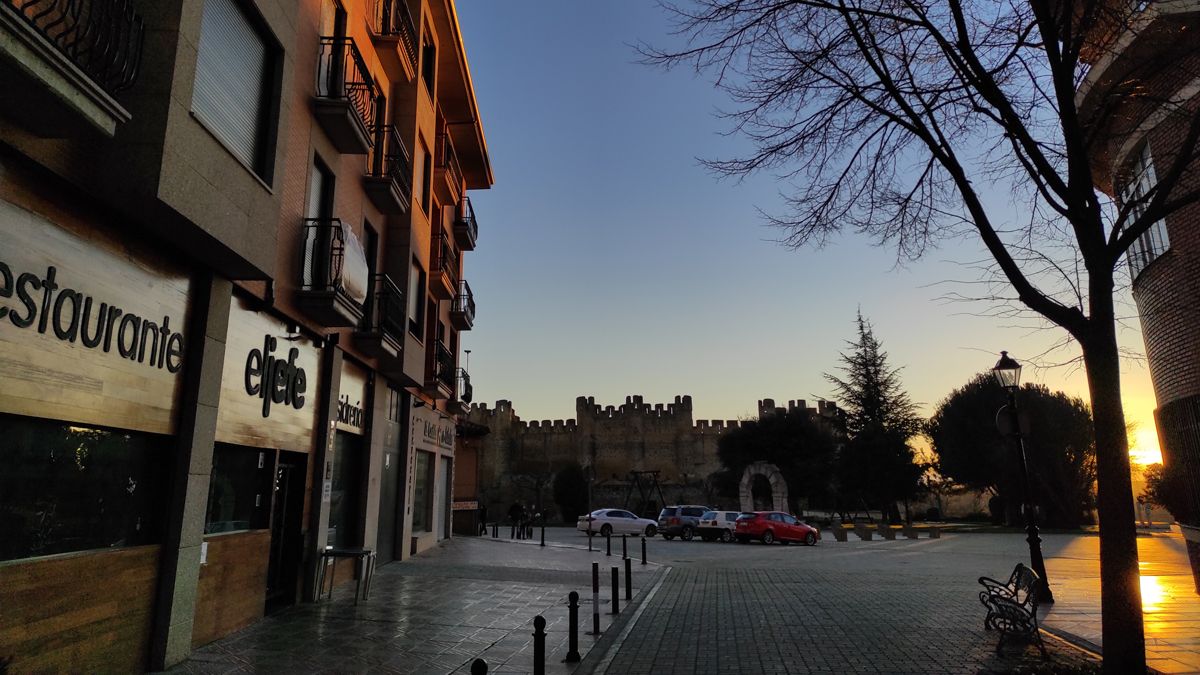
<point>876,466</point>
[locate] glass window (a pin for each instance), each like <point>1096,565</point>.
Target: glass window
<point>790,520</point>
<point>669,511</point>
<point>731,516</point>
<point>428,63</point>
<point>1153,242</point>
<point>234,73</point>
<point>422,520</point>
<point>344,493</point>
<point>693,511</point>
<point>709,515</point>
<point>73,488</point>
<point>239,491</point>
<point>416,301</point>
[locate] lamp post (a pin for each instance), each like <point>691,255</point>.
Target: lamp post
<point>1008,374</point>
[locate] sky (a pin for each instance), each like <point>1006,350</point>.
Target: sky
<point>611,263</point>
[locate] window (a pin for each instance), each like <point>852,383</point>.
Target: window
<point>426,176</point>
<point>239,492</point>
<point>344,492</point>
<point>68,488</point>
<point>422,520</point>
<point>416,301</point>
<point>428,63</point>
<point>731,516</point>
<point>235,83</point>
<point>1153,242</point>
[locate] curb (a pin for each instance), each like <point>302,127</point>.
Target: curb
<point>600,656</point>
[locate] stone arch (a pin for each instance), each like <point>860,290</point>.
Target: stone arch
<point>779,490</point>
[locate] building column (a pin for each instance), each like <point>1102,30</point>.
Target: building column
<point>373,447</point>
<point>322,465</point>
<point>179,566</point>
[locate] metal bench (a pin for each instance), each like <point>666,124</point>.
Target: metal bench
<point>1012,607</point>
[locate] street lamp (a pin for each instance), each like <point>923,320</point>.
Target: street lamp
<point>1008,374</point>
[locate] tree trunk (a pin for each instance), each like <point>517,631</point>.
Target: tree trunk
<point>1120,592</point>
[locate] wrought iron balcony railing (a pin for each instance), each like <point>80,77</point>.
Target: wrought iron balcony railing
<point>466,228</point>
<point>389,158</point>
<point>466,393</point>
<point>443,366</point>
<point>342,75</point>
<point>102,37</point>
<point>464,305</point>
<point>391,17</point>
<point>448,161</point>
<point>387,307</point>
<point>445,260</point>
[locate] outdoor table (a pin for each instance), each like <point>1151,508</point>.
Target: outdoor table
<point>366,570</point>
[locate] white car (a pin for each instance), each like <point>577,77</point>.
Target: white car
<point>615,521</point>
<point>717,525</point>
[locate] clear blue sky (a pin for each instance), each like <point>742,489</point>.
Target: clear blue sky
<point>611,263</point>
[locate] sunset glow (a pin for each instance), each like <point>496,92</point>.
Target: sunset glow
<point>1145,448</point>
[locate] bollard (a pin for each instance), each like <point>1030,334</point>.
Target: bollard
<point>572,628</point>
<point>479,667</point>
<point>595,599</point>
<point>643,550</point>
<point>495,534</point>
<point>624,547</point>
<point>628,579</point>
<point>543,533</point>
<point>539,645</point>
<point>608,540</point>
<point>616,590</point>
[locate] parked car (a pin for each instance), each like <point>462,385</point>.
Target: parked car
<point>680,521</point>
<point>772,526</point>
<point>717,525</point>
<point>615,521</point>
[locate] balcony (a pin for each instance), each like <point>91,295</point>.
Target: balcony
<point>333,275</point>
<point>388,181</point>
<point>462,310</point>
<point>382,333</point>
<point>345,104</point>
<point>439,372</point>
<point>395,38</point>
<point>466,231</point>
<point>443,268</point>
<point>68,59</point>
<point>460,404</point>
<point>449,179</point>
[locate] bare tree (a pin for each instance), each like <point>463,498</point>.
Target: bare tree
<point>898,118</point>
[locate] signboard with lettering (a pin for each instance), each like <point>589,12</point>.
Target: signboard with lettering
<point>431,431</point>
<point>352,400</point>
<point>269,384</point>
<point>91,326</point>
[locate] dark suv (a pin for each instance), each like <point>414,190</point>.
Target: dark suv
<point>680,520</point>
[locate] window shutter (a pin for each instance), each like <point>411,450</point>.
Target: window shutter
<point>231,74</point>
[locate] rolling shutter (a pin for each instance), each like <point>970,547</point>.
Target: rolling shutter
<point>231,76</point>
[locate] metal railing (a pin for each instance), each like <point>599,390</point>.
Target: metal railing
<point>388,307</point>
<point>466,217</point>
<point>445,261</point>
<point>102,37</point>
<point>323,256</point>
<point>391,17</point>
<point>464,301</point>
<point>342,75</point>
<point>448,160</point>
<point>389,158</point>
<point>443,365</point>
<point>465,391</point>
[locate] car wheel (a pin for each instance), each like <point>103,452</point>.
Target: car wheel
<point>726,536</point>
<point>686,534</point>
<point>768,537</point>
<point>651,530</point>
<point>810,539</point>
<point>591,533</point>
<point>668,537</point>
<point>605,530</point>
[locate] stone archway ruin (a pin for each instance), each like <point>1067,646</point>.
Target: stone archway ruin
<point>779,490</point>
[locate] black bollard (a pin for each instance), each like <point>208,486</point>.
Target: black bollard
<point>624,546</point>
<point>543,533</point>
<point>539,645</point>
<point>608,540</point>
<point>643,550</point>
<point>495,529</point>
<point>572,628</point>
<point>628,579</point>
<point>616,592</point>
<point>595,599</point>
<point>479,667</point>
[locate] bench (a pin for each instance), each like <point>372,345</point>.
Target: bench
<point>1012,606</point>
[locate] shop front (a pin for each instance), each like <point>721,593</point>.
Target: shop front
<point>255,523</point>
<point>430,478</point>
<point>92,351</point>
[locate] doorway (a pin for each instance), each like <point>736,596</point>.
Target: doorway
<point>287,510</point>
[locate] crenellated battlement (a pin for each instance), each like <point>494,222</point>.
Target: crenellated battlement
<point>635,405</point>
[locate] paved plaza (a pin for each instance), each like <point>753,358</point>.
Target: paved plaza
<point>857,607</point>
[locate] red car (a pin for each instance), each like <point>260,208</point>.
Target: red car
<point>772,526</point>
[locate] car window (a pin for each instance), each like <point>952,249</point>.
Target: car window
<point>670,511</point>
<point>776,517</point>
<point>693,511</point>
<point>731,516</point>
<point>745,515</point>
<point>790,520</point>
<point>709,515</point>
<point>626,514</point>
<point>598,512</point>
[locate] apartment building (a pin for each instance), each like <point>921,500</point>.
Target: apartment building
<point>231,293</point>
<point>1139,97</point>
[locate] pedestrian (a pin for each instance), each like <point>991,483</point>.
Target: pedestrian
<point>482,519</point>
<point>516,515</point>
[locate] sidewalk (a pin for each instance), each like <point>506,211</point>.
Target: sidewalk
<point>470,598</point>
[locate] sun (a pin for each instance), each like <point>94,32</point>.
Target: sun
<point>1145,448</point>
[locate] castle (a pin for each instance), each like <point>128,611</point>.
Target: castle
<point>518,459</point>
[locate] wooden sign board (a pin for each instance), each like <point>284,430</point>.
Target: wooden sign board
<point>91,326</point>
<point>352,400</point>
<point>270,384</point>
<point>431,431</point>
